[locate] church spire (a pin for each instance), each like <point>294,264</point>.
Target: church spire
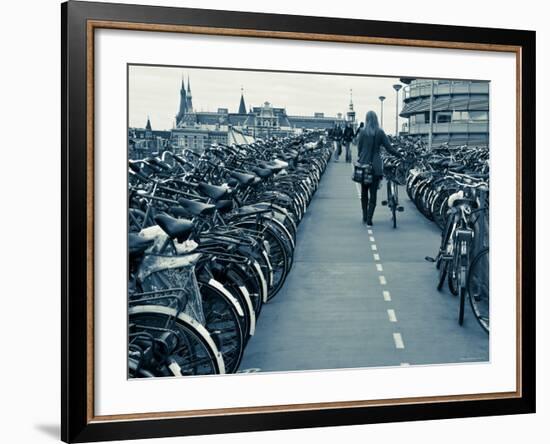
<point>183,103</point>
<point>242,106</point>
<point>189,97</point>
<point>148,124</point>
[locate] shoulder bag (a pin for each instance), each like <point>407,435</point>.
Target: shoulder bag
<point>363,173</point>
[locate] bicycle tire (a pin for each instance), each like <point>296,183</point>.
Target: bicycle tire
<point>204,350</point>
<point>463,264</point>
<point>277,255</point>
<point>442,273</point>
<point>223,322</point>
<point>476,301</point>
<point>452,275</point>
<point>461,303</point>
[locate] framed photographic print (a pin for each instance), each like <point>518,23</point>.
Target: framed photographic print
<point>275,221</point>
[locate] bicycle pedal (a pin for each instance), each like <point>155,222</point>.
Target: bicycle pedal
<point>384,202</point>
<point>400,209</point>
<point>429,259</point>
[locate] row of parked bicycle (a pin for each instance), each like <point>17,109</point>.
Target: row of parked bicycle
<point>450,186</point>
<point>211,239</point>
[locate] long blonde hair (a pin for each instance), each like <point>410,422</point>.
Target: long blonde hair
<point>371,123</point>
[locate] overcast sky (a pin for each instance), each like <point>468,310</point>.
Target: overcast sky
<point>154,92</point>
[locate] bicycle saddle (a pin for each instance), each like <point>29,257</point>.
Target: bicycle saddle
<point>273,168</point>
<point>137,245</point>
<point>232,182</point>
<point>197,208</point>
<point>243,178</point>
<point>214,192</point>
<point>279,163</point>
<point>262,172</point>
<point>160,164</point>
<point>179,229</point>
<point>180,212</point>
<point>224,206</point>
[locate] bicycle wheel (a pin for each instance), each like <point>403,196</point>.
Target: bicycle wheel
<point>253,284</point>
<point>478,288</point>
<point>195,352</point>
<point>222,315</point>
<point>277,253</point>
<point>453,272</point>
<point>463,255</point>
<point>279,260</point>
<point>393,204</point>
<point>461,302</point>
<point>443,264</point>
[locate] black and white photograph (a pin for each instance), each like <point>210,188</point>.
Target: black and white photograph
<point>299,221</point>
<point>275,222</point>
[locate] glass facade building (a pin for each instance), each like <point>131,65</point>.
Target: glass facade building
<point>460,111</point>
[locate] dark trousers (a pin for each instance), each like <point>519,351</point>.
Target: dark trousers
<point>348,151</point>
<point>368,198</point>
<point>337,149</point>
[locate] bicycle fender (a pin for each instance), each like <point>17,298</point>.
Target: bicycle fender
<point>256,265</point>
<point>251,311</point>
<point>186,319</point>
<point>218,286</point>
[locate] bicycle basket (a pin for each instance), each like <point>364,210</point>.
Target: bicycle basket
<point>182,279</point>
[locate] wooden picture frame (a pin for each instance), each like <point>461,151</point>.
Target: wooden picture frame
<point>79,22</point>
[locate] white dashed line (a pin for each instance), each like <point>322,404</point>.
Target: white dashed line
<point>379,267</point>
<point>398,340</point>
<point>382,280</point>
<point>376,257</point>
<point>373,246</point>
<point>369,231</point>
<point>391,315</point>
<point>371,238</point>
<point>387,296</point>
<point>405,364</point>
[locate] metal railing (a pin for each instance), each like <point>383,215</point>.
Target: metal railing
<point>450,127</point>
<point>444,87</point>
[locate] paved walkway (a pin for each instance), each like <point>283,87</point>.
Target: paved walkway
<point>361,296</point>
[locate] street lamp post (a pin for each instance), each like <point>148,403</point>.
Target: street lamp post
<point>397,87</point>
<point>382,98</point>
<point>430,134</point>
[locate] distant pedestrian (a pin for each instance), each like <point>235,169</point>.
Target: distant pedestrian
<point>370,139</point>
<point>347,137</point>
<point>359,128</point>
<point>337,137</point>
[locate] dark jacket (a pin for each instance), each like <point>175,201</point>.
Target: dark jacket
<point>369,149</point>
<point>337,133</point>
<point>348,134</point>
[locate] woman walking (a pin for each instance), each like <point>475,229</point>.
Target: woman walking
<point>370,139</point>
